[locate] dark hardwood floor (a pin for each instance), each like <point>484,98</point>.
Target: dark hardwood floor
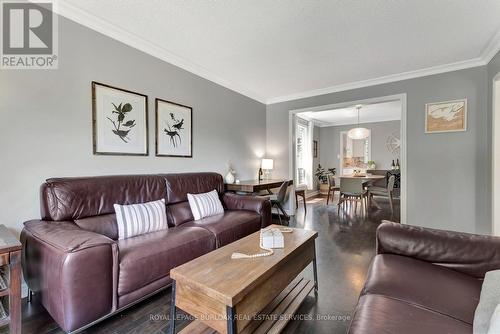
<point>345,247</point>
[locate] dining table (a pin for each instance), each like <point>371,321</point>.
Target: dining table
<point>363,178</point>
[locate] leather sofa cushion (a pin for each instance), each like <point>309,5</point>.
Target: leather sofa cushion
<point>179,185</point>
<point>179,213</point>
<point>80,197</point>
<point>381,314</point>
<point>149,257</point>
<point>151,288</point>
<point>229,226</point>
<point>104,224</point>
<point>424,284</point>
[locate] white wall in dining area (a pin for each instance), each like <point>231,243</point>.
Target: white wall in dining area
<point>330,143</point>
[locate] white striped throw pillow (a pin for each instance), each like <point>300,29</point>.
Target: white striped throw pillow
<point>205,204</point>
<point>137,219</point>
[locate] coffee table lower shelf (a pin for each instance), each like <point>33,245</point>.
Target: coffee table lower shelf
<point>275,315</point>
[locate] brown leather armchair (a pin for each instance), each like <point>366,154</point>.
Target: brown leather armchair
<point>72,257</point>
<point>424,281</point>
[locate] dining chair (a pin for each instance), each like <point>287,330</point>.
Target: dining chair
<point>300,191</point>
<point>352,190</point>
<point>383,192</point>
<point>278,200</point>
<point>331,188</point>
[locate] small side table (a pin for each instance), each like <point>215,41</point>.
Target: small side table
<point>10,281</point>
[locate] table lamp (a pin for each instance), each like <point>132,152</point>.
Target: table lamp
<point>267,165</point>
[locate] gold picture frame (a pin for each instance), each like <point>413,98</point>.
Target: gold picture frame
<point>447,116</point>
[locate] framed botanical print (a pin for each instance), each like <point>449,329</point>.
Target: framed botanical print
<point>449,116</point>
<point>119,120</point>
<point>174,129</point>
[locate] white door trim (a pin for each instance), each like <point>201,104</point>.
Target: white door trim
<point>495,160</point>
<point>403,134</point>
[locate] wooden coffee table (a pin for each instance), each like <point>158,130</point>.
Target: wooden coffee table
<point>256,295</point>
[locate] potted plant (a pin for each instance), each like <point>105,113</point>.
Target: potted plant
<point>371,164</point>
<point>322,176</point>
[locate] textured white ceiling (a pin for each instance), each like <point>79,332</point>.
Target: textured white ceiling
<point>274,49</point>
<point>369,113</point>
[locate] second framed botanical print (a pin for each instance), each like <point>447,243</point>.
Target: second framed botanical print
<point>174,129</point>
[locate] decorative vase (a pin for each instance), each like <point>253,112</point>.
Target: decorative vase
<point>229,177</point>
<point>323,188</point>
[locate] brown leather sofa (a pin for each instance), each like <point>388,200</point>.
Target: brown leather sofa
<point>424,281</point>
<point>72,257</point>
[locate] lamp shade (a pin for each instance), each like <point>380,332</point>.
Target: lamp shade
<point>267,164</point>
<point>358,133</point>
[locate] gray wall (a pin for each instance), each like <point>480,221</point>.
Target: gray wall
<point>448,175</point>
<point>493,69</point>
<point>46,123</point>
<point>330,143</point>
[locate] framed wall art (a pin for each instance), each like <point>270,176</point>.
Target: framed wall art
<point>119,121</point>
<point>449,116</point>
<point>174,129</point>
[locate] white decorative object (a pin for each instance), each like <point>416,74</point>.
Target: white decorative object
<point>393,144</point>
<point>272,238</point>
<point>229,177</point>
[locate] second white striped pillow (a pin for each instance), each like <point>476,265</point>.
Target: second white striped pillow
<point>205,204</point>
<point>137,219</point>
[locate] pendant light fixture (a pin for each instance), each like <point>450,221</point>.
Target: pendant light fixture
<point>358,132</point>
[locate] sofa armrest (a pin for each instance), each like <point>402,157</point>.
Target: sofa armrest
<point>470,254</point>
<point>74,271</point>
<point>258,204</point>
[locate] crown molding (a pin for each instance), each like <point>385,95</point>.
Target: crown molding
<point>381,80</point>
<point>320,124</point>
<point>491,48</point>
<point>127,37</point>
